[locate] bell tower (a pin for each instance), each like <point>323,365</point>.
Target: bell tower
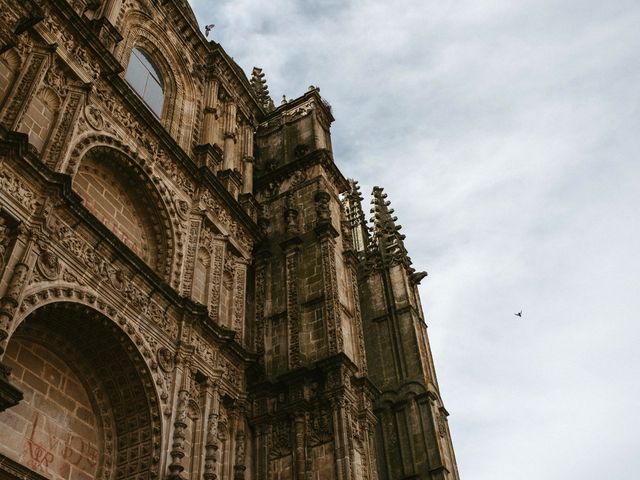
<point>312,403</point>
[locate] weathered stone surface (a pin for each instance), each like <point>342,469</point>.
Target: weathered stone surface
<point>195,293</point>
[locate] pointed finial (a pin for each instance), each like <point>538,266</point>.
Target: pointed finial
<point>352,203</point>
<point>260,88</point>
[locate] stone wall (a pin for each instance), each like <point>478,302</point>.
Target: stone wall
<point>54,429</point>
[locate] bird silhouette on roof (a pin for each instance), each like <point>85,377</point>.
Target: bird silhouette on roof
<point>519,314</point>
<point>207,29</point>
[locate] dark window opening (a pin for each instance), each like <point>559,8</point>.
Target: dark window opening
<point>145,79</point>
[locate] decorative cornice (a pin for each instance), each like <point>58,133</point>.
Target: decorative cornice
<point>317,157</point>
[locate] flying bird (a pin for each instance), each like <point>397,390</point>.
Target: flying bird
<point>519,314</point>
<point>207,29</point>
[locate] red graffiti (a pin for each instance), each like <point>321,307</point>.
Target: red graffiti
<point>41,458</point>
<point>76,451</point>
<point>66,447</point>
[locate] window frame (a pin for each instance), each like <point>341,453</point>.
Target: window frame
<point>150,72</point>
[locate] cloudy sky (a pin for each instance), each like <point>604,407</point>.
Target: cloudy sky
<point>506,134</point>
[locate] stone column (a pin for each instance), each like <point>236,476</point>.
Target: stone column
<point>246,152</point>
<point>211,441</point>
<point>180,419</point>
<point>229,136</point>
<point>240,467</point>
<point>299,451</point>
<point>247,175</point>
<point>341,441</point>
<point>210,119</point>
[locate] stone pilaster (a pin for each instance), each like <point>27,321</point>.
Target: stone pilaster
<point>293,311</point>
<point>239,299</point>
<point>58,140</point>
<point>326,235</point>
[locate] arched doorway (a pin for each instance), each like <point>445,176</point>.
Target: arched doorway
<point>89,409</point>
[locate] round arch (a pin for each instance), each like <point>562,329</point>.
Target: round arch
<point>117,171</point>
<point>90,404</point>
<point>167,208</point>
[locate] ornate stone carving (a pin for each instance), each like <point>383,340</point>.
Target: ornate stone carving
<point>61,135</point>
<point>260,281</point>
<point>329,275</point>
<point>203,349</point>
<point>211,446</point>
<point>291,222</point>
<point>56,80</point>
<point>239,298</point>
<point>216,208</point>
<point>179,436</point>
<point>182,207</point>
<point>174,173</point>
<point>165,359</point>
<point>22,92</point>
<point>192,245</point>
<point>5,239</point>
<point>293,314</point>
<point>280,439</point>
<point>16,188</point>
<point>230,373</point>
<point>75,52</point>
<point>298,177</point>
<point>323,211</point>
<point>300,111</point>
<point>9,303</point>
<point>93,117</point>
<point>216,280</point>
<point>272,189</point>
<point>319,426</point>
<point>300,151</point>
<point>105,271</point>
<point>48,264</point>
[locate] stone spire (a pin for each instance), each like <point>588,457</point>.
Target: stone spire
<point>260,88</point>
<point>386,238</point>
<point>355,216</point>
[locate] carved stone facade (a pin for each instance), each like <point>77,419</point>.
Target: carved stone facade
<point>193,293</point>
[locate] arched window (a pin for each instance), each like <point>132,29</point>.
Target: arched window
<point>145,78</point>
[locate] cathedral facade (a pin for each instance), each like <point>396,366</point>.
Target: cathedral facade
<point>188,285</point>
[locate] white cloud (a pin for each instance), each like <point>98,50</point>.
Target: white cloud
<point>506,135</point>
